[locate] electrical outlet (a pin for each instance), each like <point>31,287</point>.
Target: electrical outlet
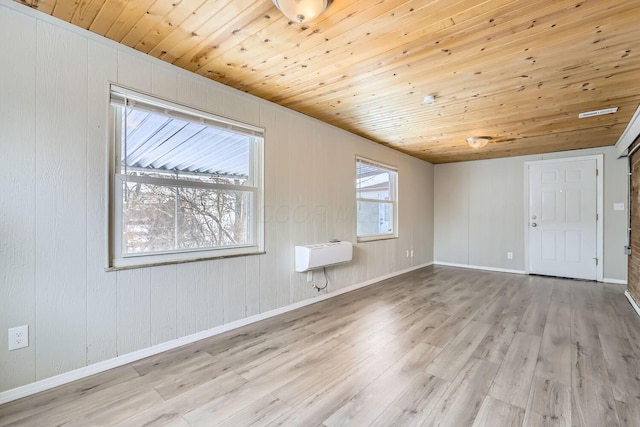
<point>309,276</point>
<point>509,255</point>
<point>411,253</point>
<point>407,253</point>
<point>18,337</point>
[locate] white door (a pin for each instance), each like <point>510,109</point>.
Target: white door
<point>563,219</point>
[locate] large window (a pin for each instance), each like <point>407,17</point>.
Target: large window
<point>185,184</point>
<point>377,200</point>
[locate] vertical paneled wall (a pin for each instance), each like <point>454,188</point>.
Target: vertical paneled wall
<point>17,189</point>
<point>634,259</point>
<point>54,90</point>
<point>479,211</point>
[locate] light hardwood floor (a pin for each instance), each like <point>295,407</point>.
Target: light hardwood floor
<point>438,346</point>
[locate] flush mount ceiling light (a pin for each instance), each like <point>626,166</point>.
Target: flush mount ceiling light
<point>302,10</point>
<point>478,141</point>
<point>429,99</point>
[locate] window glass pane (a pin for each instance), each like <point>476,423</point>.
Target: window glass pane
<point>213,218</point>
<point>206,218</point>
<point>374,185</point>
<point>375,218</point>
<point>148,218</point>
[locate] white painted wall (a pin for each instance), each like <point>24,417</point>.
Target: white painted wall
<point>53,116</point>
<point>479,211</point>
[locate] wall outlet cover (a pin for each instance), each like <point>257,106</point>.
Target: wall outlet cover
<point>18,337</point>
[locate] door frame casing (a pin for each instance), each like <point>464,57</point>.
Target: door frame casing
<point>599,158</point>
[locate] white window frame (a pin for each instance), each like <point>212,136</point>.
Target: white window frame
<point>393,199</point>
<point>118,260</point>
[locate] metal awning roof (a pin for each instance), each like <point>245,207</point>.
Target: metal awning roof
<point>163,143</point>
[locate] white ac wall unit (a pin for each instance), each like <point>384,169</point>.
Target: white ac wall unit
<point>310,257</point>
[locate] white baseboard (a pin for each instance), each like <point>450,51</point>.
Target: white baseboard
<point>505,270</point>
<point>633,302</point>
<point>615,281</point>
<point>76,374</point>
<point>479,267</point>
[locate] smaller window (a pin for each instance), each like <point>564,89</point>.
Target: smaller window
<point>377,200</point>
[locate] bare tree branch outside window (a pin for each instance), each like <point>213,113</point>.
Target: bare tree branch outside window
<point>160,218</point>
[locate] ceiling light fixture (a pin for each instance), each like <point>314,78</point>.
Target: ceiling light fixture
<point>302,10</point>
<point>598,112</point>
<point>478,141</point>
<point>429,99</point>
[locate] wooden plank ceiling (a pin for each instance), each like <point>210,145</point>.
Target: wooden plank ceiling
<point>519,71</point>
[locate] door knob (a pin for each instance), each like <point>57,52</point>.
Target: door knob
<point>533,224</point>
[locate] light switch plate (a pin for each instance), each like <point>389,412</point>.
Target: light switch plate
<point>618,206</point>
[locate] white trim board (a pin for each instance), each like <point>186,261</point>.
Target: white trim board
<point>479,267</point>
<point>77,374</point>
<point>631,132</point>
<point>615,281</point>
<point>599,158</point>
<point>633,302</point>
<point>506,270</point>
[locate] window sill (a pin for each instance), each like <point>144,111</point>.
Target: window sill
<point>365,239</point>
<point>182,261</point>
